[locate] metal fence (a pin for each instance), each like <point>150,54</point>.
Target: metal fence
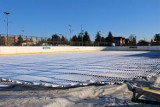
<point>13,40</point>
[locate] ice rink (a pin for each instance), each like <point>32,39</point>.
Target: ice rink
<point>79,68</point>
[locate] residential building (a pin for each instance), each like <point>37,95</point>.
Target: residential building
<point>2,40</point>
<point>143,43</point>
<point>119,41</point>
<point>10,41</point>
<point>127,42</point>
<point>30,42</point>
<point>154,43</point>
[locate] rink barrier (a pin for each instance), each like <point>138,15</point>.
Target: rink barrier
<point>14,50</point>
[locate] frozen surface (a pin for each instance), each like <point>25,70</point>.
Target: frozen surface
<point>79,68</point>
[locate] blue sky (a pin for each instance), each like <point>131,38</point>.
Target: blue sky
<point>43,18</point>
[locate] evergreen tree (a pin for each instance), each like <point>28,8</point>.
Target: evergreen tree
<point>79,38</point>
<point>63,40</point>
<point>98,37</point>
<point>157,37</point>
<point>74,38</point>
<point>55,37</point>
<point>86,37</point>
<point>110,38</point>
<point>49,41</point>
<point>103,39</point>
<point>20,41</point>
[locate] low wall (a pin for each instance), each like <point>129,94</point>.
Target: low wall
<point>6,50</point>
<point>134,48</point>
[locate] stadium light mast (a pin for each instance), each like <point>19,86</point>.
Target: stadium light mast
<point>82,34</point>
<point>70,31</point>
<point>100,35</point>
<point>7,13</point>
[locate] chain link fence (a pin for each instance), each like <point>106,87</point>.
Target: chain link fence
<point>14,40</point>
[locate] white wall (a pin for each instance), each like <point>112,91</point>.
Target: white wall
<point>136,48</point>
<point>46,49</point>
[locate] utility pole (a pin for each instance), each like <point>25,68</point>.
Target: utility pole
<point>7,13</point>
<point>100,35</point>
<point>22,32</point>
<point>82,34</point>
<point>70,31</point>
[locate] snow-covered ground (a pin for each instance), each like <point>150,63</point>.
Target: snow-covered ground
<point>74,69</point>
<point>89,96</point>
<point>79,68</point>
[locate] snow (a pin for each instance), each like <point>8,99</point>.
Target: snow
<point>76,69</point>
<point>69,69</point>
<point>89,96</point>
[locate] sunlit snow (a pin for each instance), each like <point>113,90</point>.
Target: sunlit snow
<point>79,68</point>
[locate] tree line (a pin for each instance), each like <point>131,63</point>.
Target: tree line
<point>83,39</point>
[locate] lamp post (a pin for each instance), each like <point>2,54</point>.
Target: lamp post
<point>7,13</point>
<point>61,41</point>
<point>82,34</point>
<point>100,35</point>
<point>70,31</point>
<point>22,32</point>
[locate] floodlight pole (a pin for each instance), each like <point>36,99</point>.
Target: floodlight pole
<point>100,35</point>
<point>70,31</point>
<point>7,13</point>
<point>82,34</point>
